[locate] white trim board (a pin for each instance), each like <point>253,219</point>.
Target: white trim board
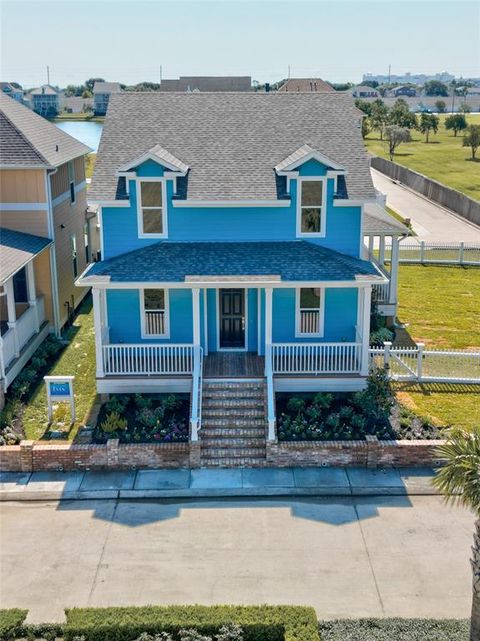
<point>323,207</point>
<point>104,283</point>
<point>141,233</point>
<point>24,206</point>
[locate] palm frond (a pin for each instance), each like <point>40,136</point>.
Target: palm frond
<point>459,479</point>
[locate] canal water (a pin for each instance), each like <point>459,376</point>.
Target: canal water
<point>86,131</point>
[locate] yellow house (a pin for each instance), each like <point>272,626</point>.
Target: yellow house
<point>45,232</point>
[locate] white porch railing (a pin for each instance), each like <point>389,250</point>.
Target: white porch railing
<point>316,358</point>
<point>197,385</point>
<point>382,292</point>
<point>26,326</point>
<point>417,364</point>
<point>147,359</point>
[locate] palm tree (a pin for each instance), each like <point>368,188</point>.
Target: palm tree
<point>459,481</point>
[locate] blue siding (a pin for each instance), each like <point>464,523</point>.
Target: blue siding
<point>123,309</point>
<point>340,316</point>
<point>120,230</point>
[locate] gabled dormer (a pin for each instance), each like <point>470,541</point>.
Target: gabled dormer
<point>146,178</point>
<point>312,181</point>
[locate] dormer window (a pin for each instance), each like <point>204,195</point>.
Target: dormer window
<point>311,207</point>
<point>151,207</point>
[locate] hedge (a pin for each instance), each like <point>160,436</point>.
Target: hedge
<point>259,623</point>
<point>11,622</point>
<point>395,629</point>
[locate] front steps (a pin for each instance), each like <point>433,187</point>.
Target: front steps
<point>233,424</point>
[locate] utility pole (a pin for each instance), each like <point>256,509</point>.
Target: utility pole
<point>160,74</point>
<point>389,73</point>
<point>48,75</point>
<point>289,72</point>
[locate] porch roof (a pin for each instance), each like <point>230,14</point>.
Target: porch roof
<point>248,261</point>
<point>17,249</point>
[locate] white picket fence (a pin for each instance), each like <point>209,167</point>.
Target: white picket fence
<point>437,253</point>
<point>418,364</point>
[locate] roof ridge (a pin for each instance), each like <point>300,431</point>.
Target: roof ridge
<point>29,142</point>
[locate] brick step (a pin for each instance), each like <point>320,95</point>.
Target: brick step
<point>233,403</point>
<point>232,442</point>
<point>229,395</point>
<point>234,462</point>
<point>232,432</point>
<point>253,412</point>
<point>240,385</point>
<point>231,421</point>
<point>232,453</point>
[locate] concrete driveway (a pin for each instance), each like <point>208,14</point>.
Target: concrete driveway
<point>430,222</point>
<point>384,556</point>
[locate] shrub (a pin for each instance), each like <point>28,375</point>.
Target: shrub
<point>116,404</point>
<point>113,423</point>
<point>11,622</point>
<point>142,402</point>
<point>259,623</point>
<point>394,630</point>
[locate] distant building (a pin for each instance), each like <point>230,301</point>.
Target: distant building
<point>13,92</point>
<point>101,95</point>
<point>46,101</point>
<point>404,91</point>
<point>207,83</point>
<point>415,79</point>
<point>364,91</point>
<point>77,104</point>
<point>305,85</point>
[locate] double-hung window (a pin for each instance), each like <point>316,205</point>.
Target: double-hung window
<point>154,310</point>
<point>309,311</point>
<point>151,208</point>
<point>311,207</point>
<point>71,181</point>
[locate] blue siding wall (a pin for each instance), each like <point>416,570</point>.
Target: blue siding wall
<point>120,232</point>
<point>123,309</point>
<point>340,316</point>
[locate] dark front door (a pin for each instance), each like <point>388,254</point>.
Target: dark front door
<point>232,318</point>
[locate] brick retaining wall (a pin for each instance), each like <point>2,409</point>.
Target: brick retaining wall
<point>31,456</point>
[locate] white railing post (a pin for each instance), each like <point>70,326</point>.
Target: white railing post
<point>387,346</point>
<point>381,255</point>
<point>394,260</point>
<point>97,295</point>
<point>12,315</point>
<point>461,252</point>
<point>32,294</point>
<point>422,251</point>
<point>420,347</point>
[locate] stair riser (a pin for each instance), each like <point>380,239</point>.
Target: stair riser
<point>239,432</point>
<point>212,453</point>
<point>208,414</point>
<point>232,443</point>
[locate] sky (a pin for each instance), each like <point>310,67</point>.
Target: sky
<point>338,40</point>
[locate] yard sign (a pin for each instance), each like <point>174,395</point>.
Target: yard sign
<point>60,388</point>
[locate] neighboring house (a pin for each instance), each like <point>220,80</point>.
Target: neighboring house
<point>77,104</point>
<point>305,84</point>
<point>46,101</point>
<point>404,91</point>
<point>13,92</point>
<point>364,91</point>
<point>207,83</point>
<point>232,245</point>
<point>44,232</point>
<point>101,96</point>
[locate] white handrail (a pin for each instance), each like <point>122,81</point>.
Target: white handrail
<point>270,392</point>
<point>144,358</point>
<point>197,383</point>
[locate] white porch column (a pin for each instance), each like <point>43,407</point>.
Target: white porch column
<point>268,315</point>
<point>392,297</point>
<point>32,293</point>
<point>99,323</point>
<point>205,320</point>
<point>371,241</point>
<point>12,314</point>
<point>366,300</point>
<point>196,315</point>
<point>381,255</point>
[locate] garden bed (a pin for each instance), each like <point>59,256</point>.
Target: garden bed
<point>350,416</point>
<point>148,418</point>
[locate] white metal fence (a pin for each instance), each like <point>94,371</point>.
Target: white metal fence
<point>422,365</point>
<point>437,253</point>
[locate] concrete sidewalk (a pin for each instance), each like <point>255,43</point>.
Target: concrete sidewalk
<point>211,483</point>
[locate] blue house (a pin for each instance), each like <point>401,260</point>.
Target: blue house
<point>232,247</point>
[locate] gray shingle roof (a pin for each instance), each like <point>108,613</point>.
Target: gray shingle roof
<point>377,220</point>
<point>207,83</point>
<point>17,249</point>
<point>106,87</point>
<point>232,141</point>
<point>45,90</point>
<point>22,127</point>
<point>173,262</point>
<point>305,84</point>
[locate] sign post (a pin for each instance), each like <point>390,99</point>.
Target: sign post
<point>60,388</point>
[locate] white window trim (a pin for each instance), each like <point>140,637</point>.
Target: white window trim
<point>321,320</point>
<point>144,334</point>
<point>141,233</point>
<point>323,208</point>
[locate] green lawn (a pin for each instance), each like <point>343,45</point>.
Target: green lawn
<point>442,308</point>
<point>78,359</point>
<point>443,158</point>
